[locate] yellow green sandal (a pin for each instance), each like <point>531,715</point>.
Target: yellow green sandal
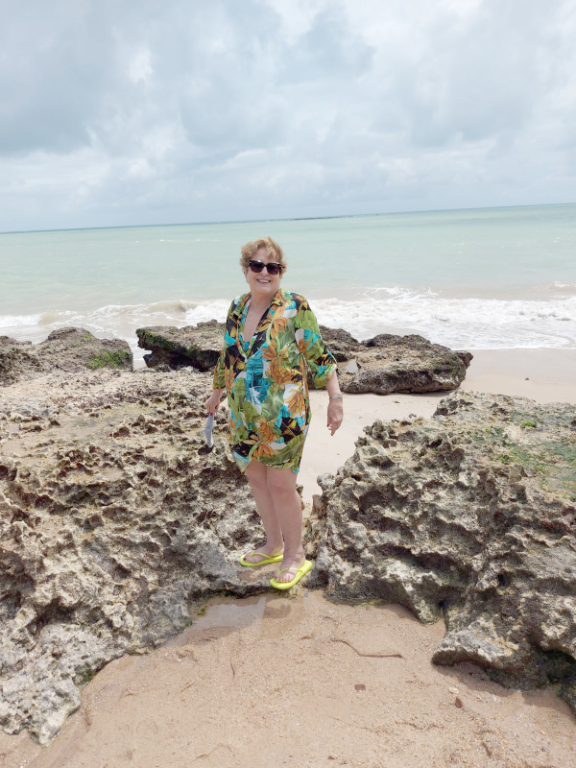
<point>305,568</point>
<point>267,559</point>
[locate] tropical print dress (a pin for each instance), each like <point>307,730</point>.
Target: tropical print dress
<point>265,378</point>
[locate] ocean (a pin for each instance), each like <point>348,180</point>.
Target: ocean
<point>490,278</point>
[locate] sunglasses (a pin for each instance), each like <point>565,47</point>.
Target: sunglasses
<point>273,267</point>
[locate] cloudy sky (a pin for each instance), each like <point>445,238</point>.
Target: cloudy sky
<point>121,112</point>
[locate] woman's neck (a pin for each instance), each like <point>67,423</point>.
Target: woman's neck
<point>260,303</point>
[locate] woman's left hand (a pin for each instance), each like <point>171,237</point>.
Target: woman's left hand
<point>335,415</point>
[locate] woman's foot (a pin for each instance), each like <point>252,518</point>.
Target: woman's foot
<point>262,553</point>
<point>289,566</point>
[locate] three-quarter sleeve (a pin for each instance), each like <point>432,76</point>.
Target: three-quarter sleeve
<point>310,343</point>
<point>219,379</point>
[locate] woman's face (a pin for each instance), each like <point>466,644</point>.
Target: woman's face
<point>262,285</point>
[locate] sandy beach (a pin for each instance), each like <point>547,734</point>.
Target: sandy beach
<point>296,680</point>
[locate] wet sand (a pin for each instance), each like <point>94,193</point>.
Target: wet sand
<point>298,681</point>
<point>294,680</point>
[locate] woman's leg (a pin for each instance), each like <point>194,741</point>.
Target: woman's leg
<point>257,477</point>
<point>288,510</point>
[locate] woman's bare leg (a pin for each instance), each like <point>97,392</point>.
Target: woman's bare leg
<point>288,510</point>
<point>257,477</point>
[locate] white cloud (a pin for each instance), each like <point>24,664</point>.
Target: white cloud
<point>139,112</point>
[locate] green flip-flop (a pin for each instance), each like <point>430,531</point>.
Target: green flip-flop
<point>305,568</point>
<point>267,559</point>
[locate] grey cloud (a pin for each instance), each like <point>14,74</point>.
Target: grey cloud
<point>183,111</point>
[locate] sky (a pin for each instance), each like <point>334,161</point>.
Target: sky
<point>131,112</point>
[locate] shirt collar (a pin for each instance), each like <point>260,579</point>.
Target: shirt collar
<point>277,300</point>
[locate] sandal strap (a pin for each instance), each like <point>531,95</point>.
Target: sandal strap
<point>261,554</point>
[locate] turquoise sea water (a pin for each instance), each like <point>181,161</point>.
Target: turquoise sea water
<point>485,278</point>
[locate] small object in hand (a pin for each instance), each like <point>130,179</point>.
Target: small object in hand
<point>208,430</point>
<point>360,687</point>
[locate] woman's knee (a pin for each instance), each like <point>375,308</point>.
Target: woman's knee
<point>281,481</point>
<point>256,474</point>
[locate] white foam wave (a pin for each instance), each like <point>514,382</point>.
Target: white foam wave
<point>18,321</point>
<point>458,323</point>
<point>471,323</point>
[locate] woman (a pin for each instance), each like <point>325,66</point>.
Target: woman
<point>270,336</point>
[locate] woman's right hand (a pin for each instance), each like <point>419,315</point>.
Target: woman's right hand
<point>213,401</point>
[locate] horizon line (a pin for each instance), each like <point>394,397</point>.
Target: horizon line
<point>291,218</point>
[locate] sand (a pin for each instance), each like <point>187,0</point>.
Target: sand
<point>294,680</point>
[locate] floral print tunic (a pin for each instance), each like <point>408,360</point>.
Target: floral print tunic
<point>265,378</point>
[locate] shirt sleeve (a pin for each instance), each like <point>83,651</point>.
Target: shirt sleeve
<point>310,343</point>
<point>219,380</point>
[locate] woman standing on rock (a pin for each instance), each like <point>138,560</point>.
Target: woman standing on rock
<point>270,336</point>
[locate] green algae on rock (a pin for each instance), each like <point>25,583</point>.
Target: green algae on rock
<point>66,349</point>
<point>195,346</point>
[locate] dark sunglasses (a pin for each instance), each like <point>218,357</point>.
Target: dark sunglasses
<point>273,267</point>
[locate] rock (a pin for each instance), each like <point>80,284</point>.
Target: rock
<point>470,515</point>
<point>381,365</point>
<point>390,363</point>
<point>17,361</point>
<point>341,343</point>
<point>196,346</point>
<point>67,349</point>
<point>115,518</point>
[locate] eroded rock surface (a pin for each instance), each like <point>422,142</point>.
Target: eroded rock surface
<point>114,519</point>
<point>66,349</point>
<point>195,346</point>
<point>383,365</point>
<point>389,363</point>
<point>470,515</point>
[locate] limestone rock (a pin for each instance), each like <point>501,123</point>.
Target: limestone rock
<point>114,519</point>
<point>470,515</point>
<point>411,363</point>
<point>196,346</point>
<point>66,349</point>
<point>383,364</point>
<point>17,361</point>
<point>341,343</point>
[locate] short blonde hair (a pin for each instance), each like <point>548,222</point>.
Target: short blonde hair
<point>272,249</point>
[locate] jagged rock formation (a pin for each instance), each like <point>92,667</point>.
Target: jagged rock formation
<point>341,343</point>
<point>67,349</point>
<point>196,346</point>
<point>411,363</point>
<point>114,519</point>
<point>470,515</point>
<point>385,364</point>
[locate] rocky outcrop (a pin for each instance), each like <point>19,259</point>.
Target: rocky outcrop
<point>470,515</point>
<point>67,349</point>
<point>341,343</point>
<point>114,519</point>
<point>411,363</point>
<point>381,365</point>
<point>195,346</point>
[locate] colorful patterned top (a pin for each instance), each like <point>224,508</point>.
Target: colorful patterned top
<point>265,378</point>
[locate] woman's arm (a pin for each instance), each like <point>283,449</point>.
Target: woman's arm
<point>219,379</point>
<point>335,404</point>
<point>311,344</point>
<point>321,361</point>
